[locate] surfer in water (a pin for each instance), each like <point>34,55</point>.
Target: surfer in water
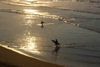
<point>42,22</point>
<point>57,47</point>
<point>56,42</point>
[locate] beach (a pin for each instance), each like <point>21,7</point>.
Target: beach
<point>50,33</point>
<point>10,58</point>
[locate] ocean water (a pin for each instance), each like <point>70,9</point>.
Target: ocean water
<point>74,23</point>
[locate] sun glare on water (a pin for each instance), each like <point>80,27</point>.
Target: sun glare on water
<point>34,12</point>
<point>29,0</point>
<point>30,11</point>
<point>29,43</point>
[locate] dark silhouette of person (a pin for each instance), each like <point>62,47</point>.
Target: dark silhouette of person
<point>56,42</point>
<point>57,47</point>
<point>42,22</point>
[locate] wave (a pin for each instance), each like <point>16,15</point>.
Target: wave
<point>18,3</point>
<point>69,20</point>
<point>88,49</point>
<point>76,10</point>
<point>92,56</point>
<point>25,3</point>
<point>60,18</point>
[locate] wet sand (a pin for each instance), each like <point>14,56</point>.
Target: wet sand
<point>10,58</point>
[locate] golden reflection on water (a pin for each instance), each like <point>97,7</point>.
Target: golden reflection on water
<point>29,23</point>
<point>29,43</point>
<point>31,11</point>
<point>47,24</point>
<point>28,18</point>
<point>34,12</point>
<point>29,0</point>
<point>55,0</point>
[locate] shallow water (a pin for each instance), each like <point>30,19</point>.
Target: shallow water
<point>75,24</point>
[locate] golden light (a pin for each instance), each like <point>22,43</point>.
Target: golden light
<point>55,0</point>
<point>28,18</point>
<point>29,43</point>
<point>47,24</point>
<point>29,0</point>
<point>31,11</point>
<point>34,12</point>
<point>29,23</point>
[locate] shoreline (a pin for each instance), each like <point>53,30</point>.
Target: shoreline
<point>15,59</point>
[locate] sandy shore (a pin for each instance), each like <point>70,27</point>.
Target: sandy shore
<point>10,57</point>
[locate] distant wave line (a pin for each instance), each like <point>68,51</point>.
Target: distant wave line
<point>65,20</point>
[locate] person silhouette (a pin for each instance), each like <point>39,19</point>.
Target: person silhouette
<point>57,47</point>
<point>56,42</point>
<point>42,26</point>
